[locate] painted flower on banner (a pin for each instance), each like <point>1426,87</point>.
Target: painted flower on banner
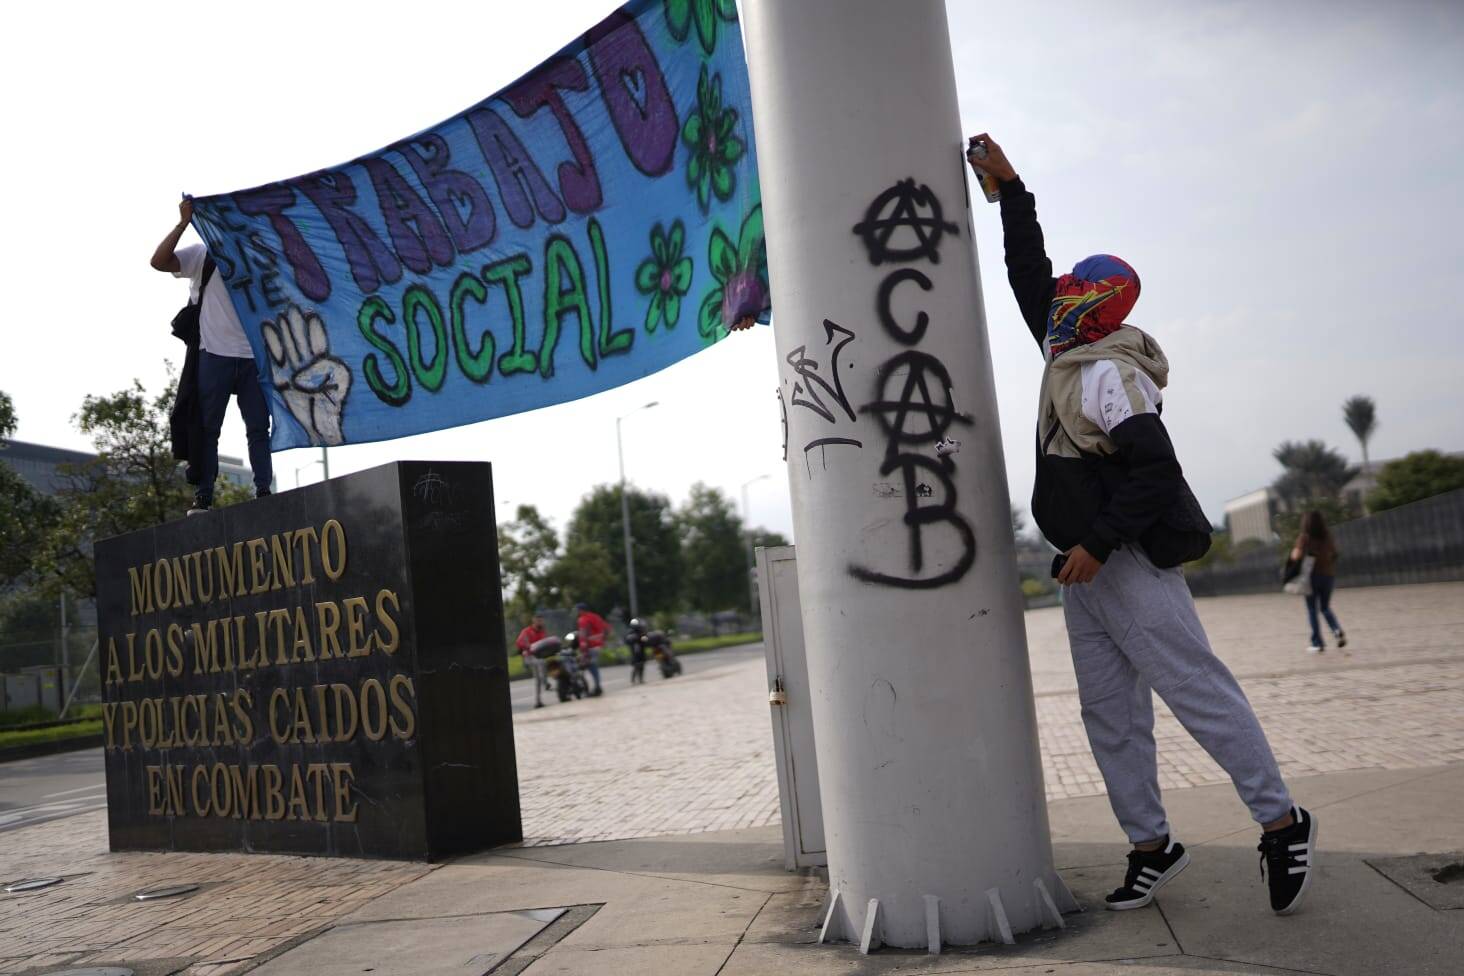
<point>714,149</point>
<point>680,14</point>
<point>742,278</point>
<point>665,275</point>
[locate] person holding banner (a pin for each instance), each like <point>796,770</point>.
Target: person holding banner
<point>225,364</point>
<point>1110,495</point>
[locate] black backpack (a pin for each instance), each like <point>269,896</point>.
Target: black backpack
<point>185,323</point>
<point>185,422</point>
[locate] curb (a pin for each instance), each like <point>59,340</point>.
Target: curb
<point>51,748</point>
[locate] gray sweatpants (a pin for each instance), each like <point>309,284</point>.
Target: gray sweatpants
<point>1132,629</point>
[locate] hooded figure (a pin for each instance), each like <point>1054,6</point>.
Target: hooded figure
<point>1106,470</point>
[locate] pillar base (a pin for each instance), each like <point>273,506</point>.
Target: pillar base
<point>1047,900</point>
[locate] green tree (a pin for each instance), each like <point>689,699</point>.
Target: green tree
<point>134,482</point>
<point>1361,417</point>
<point>586,572</point>
<point>766,538</point>
<point>1420,475</point>
<point>1312,473</point>
<point>713,551</point>
<point>25,514</point>
<point>527,549</point>
<point>657,548</point>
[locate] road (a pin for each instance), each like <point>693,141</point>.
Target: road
<point>33,791</point>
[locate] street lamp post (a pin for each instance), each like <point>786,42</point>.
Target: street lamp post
<point>625,511</point>
<point>320,461</point>
<point>747,535</point>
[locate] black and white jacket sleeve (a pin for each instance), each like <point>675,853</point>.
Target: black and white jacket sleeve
<point>1029,270</point>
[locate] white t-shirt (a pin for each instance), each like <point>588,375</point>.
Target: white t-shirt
<point>218,324</point>
<point>1108,402</point>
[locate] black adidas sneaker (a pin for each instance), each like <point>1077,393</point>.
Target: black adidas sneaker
<point>1287,859</point>
<point>1148,871</point>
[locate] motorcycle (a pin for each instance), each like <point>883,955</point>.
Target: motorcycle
<point>561,657</point>
<point>658,644</point>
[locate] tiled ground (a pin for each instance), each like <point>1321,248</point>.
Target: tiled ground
<point>695,754</point>
<point>249,904</point>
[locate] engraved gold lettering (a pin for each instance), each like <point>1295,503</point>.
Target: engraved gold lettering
<point>328,614</point>
<point>175,650</point>
<point>333,549</point>
<point>259,576</point>
<point>278,731</point>
<point>393,638</point>
<point>373,694</point>
<point>342,775</point>
<point>142,588</point>
<point>356,627</point>
<point>274,798</point>
<point>408,726</point>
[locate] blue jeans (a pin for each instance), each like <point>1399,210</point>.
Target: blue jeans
<point>218,378</point>
<point>1320,598</point>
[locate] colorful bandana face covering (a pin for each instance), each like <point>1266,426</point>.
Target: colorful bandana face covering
<point>1090,303</point>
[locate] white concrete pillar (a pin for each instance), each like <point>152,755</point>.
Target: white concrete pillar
<point>926,733</point>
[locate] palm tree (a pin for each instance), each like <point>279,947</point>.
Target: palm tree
<point>1313,472</point>
<point>1360,413</point>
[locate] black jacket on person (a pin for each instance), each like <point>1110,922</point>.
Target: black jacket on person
<point>1134,495</point>
<point>185,420</point>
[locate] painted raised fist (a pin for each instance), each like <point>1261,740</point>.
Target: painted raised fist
<point>313,383</point>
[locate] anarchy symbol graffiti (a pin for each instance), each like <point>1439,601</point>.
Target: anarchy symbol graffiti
<point>923,410</point>
<point>904,223</point>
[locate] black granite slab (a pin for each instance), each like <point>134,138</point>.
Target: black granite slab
<point>374,599</point>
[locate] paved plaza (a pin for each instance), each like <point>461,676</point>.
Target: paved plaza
<point>694,755</point>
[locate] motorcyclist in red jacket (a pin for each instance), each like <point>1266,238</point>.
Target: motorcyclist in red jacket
<point>592,633</point>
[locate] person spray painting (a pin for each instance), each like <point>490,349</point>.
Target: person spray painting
<point>1111,496</point>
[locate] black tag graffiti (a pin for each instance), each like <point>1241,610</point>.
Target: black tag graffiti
<point>915,214</point>
<point>811,382</point>
<point>913,403</point>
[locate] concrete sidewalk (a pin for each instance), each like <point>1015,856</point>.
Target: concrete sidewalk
<point>651,842</point>
<point>721,903</point>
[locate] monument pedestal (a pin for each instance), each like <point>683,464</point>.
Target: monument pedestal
<point>321,671</point>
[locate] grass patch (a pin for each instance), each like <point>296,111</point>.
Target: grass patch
<point>10,739</point>
<point>620,654</point>
<point>35,714</point>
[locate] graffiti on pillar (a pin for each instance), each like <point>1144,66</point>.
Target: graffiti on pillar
<point>817,385</point>
<point>913,401</point>
<point>822,445</point>
<point>904,223</point>
<point>783,412</point>
<point>811,387</point>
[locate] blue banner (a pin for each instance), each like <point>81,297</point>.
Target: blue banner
<point>590,224</point>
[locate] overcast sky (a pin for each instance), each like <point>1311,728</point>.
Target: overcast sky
<point>1284,176</point>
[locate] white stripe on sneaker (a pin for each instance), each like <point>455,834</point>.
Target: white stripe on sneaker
<point>1300,870</point>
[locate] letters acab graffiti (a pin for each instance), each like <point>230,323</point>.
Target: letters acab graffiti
<point>508,243</point>
<point>913,404</point>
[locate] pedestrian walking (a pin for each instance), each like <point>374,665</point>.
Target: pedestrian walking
<point>1111,496</point>
<point>1315,540</point>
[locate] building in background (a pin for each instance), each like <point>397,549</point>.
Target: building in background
<point>1253,516</point>
<point>40,465</point>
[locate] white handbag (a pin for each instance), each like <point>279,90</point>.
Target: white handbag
<point>1301,585</point>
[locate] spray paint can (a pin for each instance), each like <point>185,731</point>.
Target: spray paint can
<point>977,150</point>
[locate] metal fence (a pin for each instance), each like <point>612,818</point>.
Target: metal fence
<point>1418,543</point>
